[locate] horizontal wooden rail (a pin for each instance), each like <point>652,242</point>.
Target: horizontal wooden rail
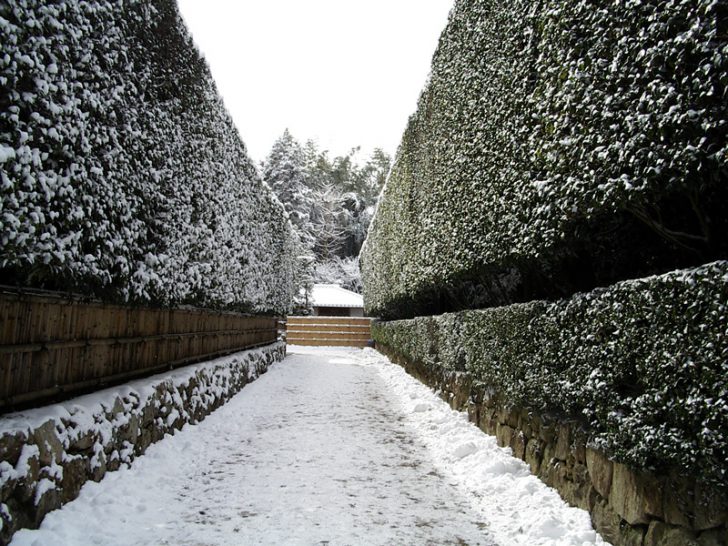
<point>330,334</point>
<point>53,344</point>
<point>338,321</point>
<point>56,345</point>
<point>325,342</point>
<point>363,329</point>
<point>328,331</point>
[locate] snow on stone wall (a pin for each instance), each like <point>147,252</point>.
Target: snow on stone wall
<point>48,453</point>
<point>641,365</point>
<point>121,173</point>
<point>558,146</point>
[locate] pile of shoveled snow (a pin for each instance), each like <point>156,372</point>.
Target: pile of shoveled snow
<point>519,507</point>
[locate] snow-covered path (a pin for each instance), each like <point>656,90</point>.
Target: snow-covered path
<point>329,447</point>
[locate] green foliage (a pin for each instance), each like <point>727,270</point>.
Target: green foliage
<point>642,364</point>
<point>330,204</point>
<point>329,201</point>
<point>558,146</point>
<point>121,173</point>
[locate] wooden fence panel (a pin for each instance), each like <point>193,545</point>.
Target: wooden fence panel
<point>328,331</point>
<point>56,344</point>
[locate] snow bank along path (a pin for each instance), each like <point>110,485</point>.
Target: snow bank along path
<point>331,446</point>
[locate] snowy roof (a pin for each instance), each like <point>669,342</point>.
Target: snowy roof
<point>332,295</point>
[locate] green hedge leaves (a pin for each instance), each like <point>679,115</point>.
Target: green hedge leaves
<point>121,173</point>
<point>558,146</point>
<point>643,365</point>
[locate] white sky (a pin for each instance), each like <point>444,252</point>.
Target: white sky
<point>341,72</point>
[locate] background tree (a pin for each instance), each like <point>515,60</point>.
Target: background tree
<point>330,203</point>
<point>285,172</point>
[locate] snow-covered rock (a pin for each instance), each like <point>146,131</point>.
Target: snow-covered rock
<point>48,453</point>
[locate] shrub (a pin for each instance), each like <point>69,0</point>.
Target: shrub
<point>643,364</point>
<point>121,173</point>
<point>558,146</point>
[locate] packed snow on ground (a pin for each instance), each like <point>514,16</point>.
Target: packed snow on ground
<point>331,446</point>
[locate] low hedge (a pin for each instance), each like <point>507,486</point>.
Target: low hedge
<point>643,364</point>
<point>558,146</point>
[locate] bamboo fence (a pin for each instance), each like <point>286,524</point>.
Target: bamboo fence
<point>55,344</point>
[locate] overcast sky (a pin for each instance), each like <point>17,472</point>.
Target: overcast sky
<point>342,72</point>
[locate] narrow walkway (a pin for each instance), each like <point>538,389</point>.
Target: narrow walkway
<point>328,447</point>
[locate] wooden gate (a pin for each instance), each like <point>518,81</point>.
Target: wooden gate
<point>328,331</point>
<point>53,344</point>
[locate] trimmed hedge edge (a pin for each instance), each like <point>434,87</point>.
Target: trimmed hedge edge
<point>642,365</point>
<point>557,146</point>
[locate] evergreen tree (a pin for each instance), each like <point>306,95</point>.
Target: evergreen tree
<point>285,172</point>
<point>329,222</point>
<point>330,203</point>
<point>341,271</point>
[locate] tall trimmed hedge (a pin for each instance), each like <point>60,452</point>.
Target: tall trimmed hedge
<point>559,145</point>
<point>643,365</point>
<point>121,173</point>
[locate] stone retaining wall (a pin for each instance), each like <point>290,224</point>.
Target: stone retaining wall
<point>47,454</point>
<point>627,507</point>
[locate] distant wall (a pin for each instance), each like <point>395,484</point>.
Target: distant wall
<point>47,454</point>
<point>558,145</point>
<point>327,331</point>
<point>338,311</point>
<point>121,173</point>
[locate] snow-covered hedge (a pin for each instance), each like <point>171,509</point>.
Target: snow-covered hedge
<point>121,173</point>
<point>642,364</point>
<point>558,146</point>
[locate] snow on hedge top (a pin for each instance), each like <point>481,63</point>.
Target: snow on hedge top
<point>121,172</point>
<point>561,144</point>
